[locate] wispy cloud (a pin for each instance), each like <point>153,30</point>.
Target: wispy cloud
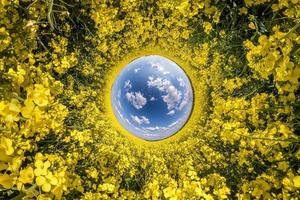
<point>137,70</point>
<point>181,81</point>
<point>140,120</point>
<point>172,112</point>
<point>127,85</point>
<point>186,100</point>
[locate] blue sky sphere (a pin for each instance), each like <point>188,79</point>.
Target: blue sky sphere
<point>152,97</point>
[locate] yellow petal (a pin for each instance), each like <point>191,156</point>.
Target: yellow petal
<point>46,187</point>
<point>14,106</point>
<point>6,181</point>
<point>27,110</point>
<point>4,157</point>
<point>47,164</point>
<point>296,181</point>
<point>3,166</point>
<point>2,107</point>
<point>6,144</point>
<point>26,175</point>
<point>58,191</point>
<point>39,164</point>
<point>40,180</point>
<point>53,181</point>
<point>38,172</point>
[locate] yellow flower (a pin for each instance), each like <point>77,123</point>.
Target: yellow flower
<point>51,179</point>
<point>252,25</point>
<point>6,145</point>
<point>107,187</point>
<point>45,179</point>
<point>10,111</point>
<point>243,11</point>
<point>40,95</point>
<point>6,181</point>
<point>169,192</point>
<point>46,187</point>
<point>28,109</point>
<point>26,175</point>
<point>43,197</point>
<point>207,27</point>
<point>41,168</point>
<point>222,33</point>
<point>17,76</point>
<point>40,180</point>
<point>296,181</point>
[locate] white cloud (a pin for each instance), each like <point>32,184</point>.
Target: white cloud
<point>127,85</point>
<point>166,72</point>
<point>181,81</point>
<point>175,123</point>
<point>151,128</point>
<point>157,66</point>
<point>186,99</point>
<point>140,120</point>
<point>172,112</point>
<point>128,121</point>
<point>119,113</point>
<point>137,70</point>
<point>172,97</point>
<point>119,93</point>
<point>156,128</point>
<point>136,99</point>
<point>119,104</point>
<point>153,99</point>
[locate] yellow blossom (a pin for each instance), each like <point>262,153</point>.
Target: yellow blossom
<point>207,27</point>
<point>6,181</point>
<point>40,95</point>
<point>6,145</point>
<point>296,181</point>
<point>252,25</point>
<point>26,175</point>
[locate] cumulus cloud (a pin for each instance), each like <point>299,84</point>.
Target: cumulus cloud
<point>140,120</point>
<point>186,99</point>
<point>172,97</point>
<point>136,99</point>
<point>172,112</point>
<point>127,85</point>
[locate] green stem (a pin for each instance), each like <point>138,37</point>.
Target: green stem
<point>50,6</point>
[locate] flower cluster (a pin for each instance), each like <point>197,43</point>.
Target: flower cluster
<point>57,139</point>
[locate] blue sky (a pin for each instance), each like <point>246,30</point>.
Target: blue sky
<point>152,97</point>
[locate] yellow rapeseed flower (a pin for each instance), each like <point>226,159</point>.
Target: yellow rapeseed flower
<point>26,175</point>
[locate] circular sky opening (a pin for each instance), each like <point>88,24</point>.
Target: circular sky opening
<point>152,97</point>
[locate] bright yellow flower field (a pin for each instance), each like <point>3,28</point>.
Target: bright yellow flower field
<point>59,138</point>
